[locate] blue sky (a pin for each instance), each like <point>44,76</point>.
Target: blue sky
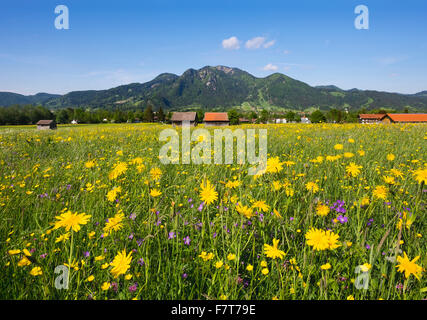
<point>111,43</point>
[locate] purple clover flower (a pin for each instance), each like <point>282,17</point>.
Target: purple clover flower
<point>171,235</point>
<point>133,287</point>
<point>187,240</point>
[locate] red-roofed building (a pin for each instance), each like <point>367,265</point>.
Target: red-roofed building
<point>405,118</point>
<point>216,119</point>
<point>371,118</point>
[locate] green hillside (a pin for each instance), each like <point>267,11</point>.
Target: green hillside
<point>221,88</point>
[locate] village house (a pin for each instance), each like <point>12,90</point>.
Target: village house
<point>305,120</point>
<point>278,121</point>
<point>46,125</point>
<point>216,119</point>
<point>179,117</point>
<point>371,118</point>
<point>244,121</point>
<point>405,118</point>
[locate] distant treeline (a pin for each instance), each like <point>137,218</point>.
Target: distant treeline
<point>26,114</point>
<point>29,114</point>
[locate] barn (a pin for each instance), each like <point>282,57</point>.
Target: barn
<point>46,125</point>
<point>405,118</point>
<point>179,117</point>
<point>371,118</point>
<point>216,119</point>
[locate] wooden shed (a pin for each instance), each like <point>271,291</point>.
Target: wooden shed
<point>46,125</point>
<point>179,117</point>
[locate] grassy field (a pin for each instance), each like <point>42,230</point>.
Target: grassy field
<point>340,214</point>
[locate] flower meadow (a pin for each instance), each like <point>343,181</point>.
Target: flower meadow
<point>340,213</point>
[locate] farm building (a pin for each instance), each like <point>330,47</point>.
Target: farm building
<point>179,117</point>
<point>46,125</point>
<point>371,118</point>
<point>216,119</point>
<point>278,121</point>
<point>305,120</point>
<point>244,120</point>
<point>405,118</point>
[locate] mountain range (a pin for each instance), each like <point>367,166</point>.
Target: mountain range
<point>221,88</point>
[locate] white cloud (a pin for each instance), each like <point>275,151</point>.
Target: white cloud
<point>231,43</point>
<point>255,43</point>
<point>286,52</point>
<point>270,67</point>
<point>269,44</point>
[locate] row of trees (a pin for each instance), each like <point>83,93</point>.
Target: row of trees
<point>117,116</point>
<point>29,114</point>
<point>26,114</point>
<point>333,116</point>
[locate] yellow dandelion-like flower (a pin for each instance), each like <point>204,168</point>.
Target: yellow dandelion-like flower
<point>36,271</point>
<point>245,211</point>
<point>409,267</point>
<point>389,180</point>
<point>261,205</point>
<point>232,184</point>
<point>63,238</point>
<point>155,174</point>
<point>119,169</point>
<point>206,256</point>
<point>322,210</point>
<point>274,165</point>
<point>112,194</point>
<point>208,193</point>
<point>391,157</point>
<point>421,176</point>
<point>114,224</point>
<point>105,286</point>
<point>155,193</point>
<point>272,251</point>
<point>318,239</point>
<point>312,186</point>
<point>326,266</point>
<point>338,147</point>
<point>353,169</point>
<point>121,263</point>
<point>231,257</point>
<point>332,240</point>
<point>24,262</point>
<point>365,267</point>
<point>380,192</point>
<point>69,220</point>
<point>90,164</point>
